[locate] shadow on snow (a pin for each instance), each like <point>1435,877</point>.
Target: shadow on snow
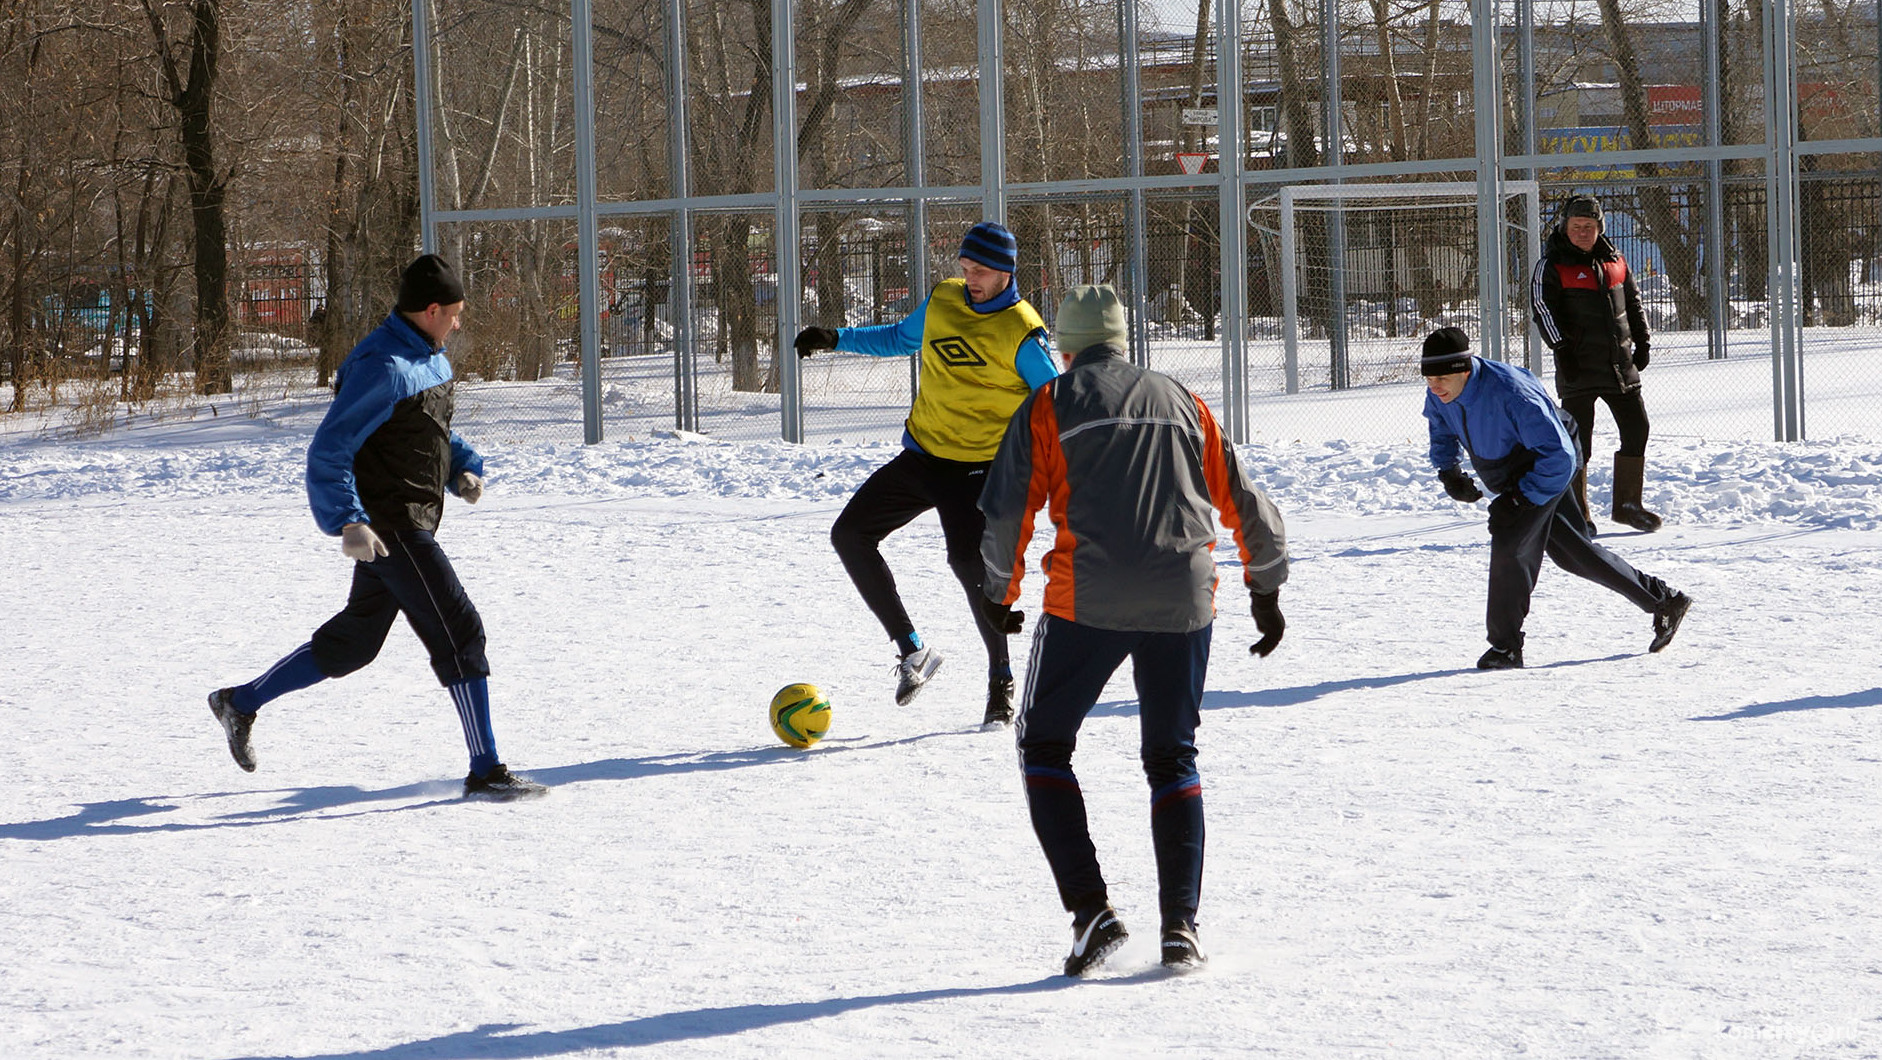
<point>1868,698</point>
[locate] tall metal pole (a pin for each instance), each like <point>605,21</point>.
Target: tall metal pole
<point>786,253</point>
<point>1136,283</point>
<point>1526,113</point>
<point>421,105</point>
<point>992,112</point>
<point>916,151</point>
<point>1780,127</point>
<point>1711,85</point>
<point>588,258</point>
<point>1486,98</point>
<point>1336,217</point>
<point>685,361</point>
<point>1233,225</point>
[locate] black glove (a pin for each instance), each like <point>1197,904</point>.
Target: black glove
<point>1000,618</point>
<point>1267,610</point>
<point>1459,486</point>
<point>811,340</point>
<point>1506,507</point>
<point>1640,356</point>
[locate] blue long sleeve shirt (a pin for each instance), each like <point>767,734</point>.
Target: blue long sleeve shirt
<point>1510,428</point>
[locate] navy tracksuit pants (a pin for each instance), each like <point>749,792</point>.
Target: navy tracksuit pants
<point>414,577</point>
<point>1070,665</point>
<point>1520,537</point>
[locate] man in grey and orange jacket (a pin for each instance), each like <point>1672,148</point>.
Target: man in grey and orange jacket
<point>1130,465</point>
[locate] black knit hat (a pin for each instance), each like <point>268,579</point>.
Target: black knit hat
<point>992,245</point>
<point>1583,206</point>
<point>1447,351</point>
<point>426,281</point>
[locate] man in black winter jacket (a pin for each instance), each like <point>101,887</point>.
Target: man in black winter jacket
<point>1588,310</point>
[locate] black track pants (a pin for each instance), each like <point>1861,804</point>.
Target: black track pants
<point>1630,419</point>
<point>1518,540</point>
<point>900,490</point>
<point>416,578</point>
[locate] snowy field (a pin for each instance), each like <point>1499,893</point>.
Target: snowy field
<point>1610,854</point>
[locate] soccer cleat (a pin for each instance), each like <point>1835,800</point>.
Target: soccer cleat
<point>501,785</point>
<point>1181,949</point>
<point>912,672</point>
<point>236,724</point>
<point>1501,659</point>
<point>1666,620</point>
<point>999,704</point>
<point>1097,940</point>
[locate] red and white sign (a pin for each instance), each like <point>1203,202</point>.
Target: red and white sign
<point>1192,162</point>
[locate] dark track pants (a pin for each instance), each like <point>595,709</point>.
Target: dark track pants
<point>1630,420</point>
<point>1069,668</point>
<point>415,577</point>
<point>1518,540</point>
<point>890,499</point>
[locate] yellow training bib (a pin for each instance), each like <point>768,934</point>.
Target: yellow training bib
<point>969,385</point>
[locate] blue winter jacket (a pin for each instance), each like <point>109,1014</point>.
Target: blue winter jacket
<point>386,447</point>
<point>1507,423</point>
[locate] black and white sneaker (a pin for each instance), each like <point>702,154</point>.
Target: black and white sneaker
<point>501,785</point>
<point>1666,620</point>
<point>1091,944</point>
<point>1181,949</point>
<point>913,672</point>
<point>999,704</point>
<point>1501,659</point>
<point>236,724</point>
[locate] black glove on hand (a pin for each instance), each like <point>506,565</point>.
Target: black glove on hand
<point>1640,356</point>
<point>1001,618</point>
<point>1267,610</point>
<point>1459,486</point>
<point>1505,508</point>
<point>811,340</point>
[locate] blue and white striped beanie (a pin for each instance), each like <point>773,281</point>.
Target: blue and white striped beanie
<point>990,244</point>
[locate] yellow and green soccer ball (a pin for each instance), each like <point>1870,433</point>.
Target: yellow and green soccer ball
<point>800,714</point>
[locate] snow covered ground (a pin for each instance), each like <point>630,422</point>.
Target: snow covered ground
<point>1610,854</point>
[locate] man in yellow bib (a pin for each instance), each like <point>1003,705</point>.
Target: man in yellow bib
<point>983,349</point>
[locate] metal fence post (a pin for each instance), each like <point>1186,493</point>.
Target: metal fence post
<point>1234,219</point>
<point>1136,283</point>
<point>588,264</point>
<point>787,255</point>
<point>992,112</point>
<point>421,105</point>
<point>1486,96</point>
<point>685,361</point>
<point>1780,126</point>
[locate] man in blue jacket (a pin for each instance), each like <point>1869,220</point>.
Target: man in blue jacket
<point>377,471</point>
<point>1523,448</point>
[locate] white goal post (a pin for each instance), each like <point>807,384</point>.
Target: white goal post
<point>1293,200</point>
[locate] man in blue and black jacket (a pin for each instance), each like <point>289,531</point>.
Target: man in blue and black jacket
<point>377,471</point>
<point>1523,448</point>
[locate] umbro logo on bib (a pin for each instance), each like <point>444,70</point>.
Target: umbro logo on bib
<point>956,352</point>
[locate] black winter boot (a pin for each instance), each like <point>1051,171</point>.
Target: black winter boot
<point>1629,473</point>
<point>999,704</point>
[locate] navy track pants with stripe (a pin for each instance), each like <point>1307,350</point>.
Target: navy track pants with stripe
<point>415,578</point>
<point>1070,665</point>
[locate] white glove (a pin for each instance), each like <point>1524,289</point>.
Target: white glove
<point>469,487</point>
<point>359,543</point>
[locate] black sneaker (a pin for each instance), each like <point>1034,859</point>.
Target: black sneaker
<point>1181,950</point>
<point>1094,942</point>
<point>1666,619</point>
<point>236,724</point>
<point>501,785</point>
<point>1501,659</point>
<point>999,704</point>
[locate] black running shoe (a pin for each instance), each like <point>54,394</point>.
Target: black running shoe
<point>1666,620</point>
<point>1181,949</point>
<point>501,785</point>
<point>236,724</point>
<point>1501,659</point>
<point>999,704</point>
<point>1094,942</point>
<point>913,672</point>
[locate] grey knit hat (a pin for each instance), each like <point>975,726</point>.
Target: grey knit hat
<point>1087,317</point>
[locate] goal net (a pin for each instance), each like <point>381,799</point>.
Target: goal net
<point>1361,272</point>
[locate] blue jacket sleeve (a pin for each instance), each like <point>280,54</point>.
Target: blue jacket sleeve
<point>1034,361</point>
<point>886,340</point>
<point>364,403</point>
<point>463,458</point>
<point>1541,432</point>
<point>1446,448</point>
